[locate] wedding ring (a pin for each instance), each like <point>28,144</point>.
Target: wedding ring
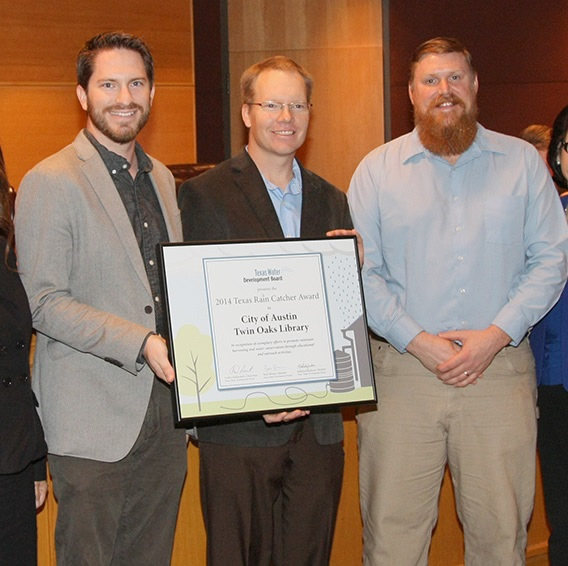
<point>466,373</point>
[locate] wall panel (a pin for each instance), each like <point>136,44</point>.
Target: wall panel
<point>39,41</point>
<point>518,50</point>
<point>340,43</point>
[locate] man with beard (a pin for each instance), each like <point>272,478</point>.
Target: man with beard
<point>88,221</point>
<point>466,246</point>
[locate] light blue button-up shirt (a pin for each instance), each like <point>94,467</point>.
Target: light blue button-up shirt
<point>454,247</point>
<point>288,202</point>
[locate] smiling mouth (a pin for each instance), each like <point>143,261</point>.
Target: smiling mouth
<point>448,102</point>
<point>128,114</point>
<point>124,112</point>
<point>284,132</point>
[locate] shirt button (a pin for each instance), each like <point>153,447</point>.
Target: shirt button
<point>151,262</point>
<point>145,224</point>
<point>148,309</point>
<point>463,291</point>
<point>460,257</point>
<point>125,165</point>
<point>24,377</point>
<point>113,171</point>
<point>7,381</point>
<point>157,299</point>
<point>3,349</point>
<point>20,344</point>
<point>458,228</point>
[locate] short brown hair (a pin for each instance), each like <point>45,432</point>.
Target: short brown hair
<point>439,46</point>
<point>278,63</point>
<point>105,42</point>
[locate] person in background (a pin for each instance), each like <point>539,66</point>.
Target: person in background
<point>549,342</point>
<point>539,136</point>
<point>466,248</point>
<point>88,219</point>
<point>23,485</point>
<point>275,479</point>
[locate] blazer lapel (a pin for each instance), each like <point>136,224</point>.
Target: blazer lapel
<point>168,203</point>
<point>248,179</point>
<point>311,202</point>
<point>99,180</point>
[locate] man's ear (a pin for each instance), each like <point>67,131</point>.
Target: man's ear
<point>82,96</point>
<point>245,113</point>
<point>410,93</point>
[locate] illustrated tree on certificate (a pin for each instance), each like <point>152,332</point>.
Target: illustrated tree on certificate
<point>194,359</point>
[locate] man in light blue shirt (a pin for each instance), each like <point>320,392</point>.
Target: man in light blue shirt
<point>465,250</point>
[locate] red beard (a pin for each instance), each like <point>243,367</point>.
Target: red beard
<point>446,135</point>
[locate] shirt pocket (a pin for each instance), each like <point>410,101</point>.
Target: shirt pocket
<point>504,219</point>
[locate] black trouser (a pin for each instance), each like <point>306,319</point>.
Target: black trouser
<point>266,505</point>
<point>18,530</point>
<point>553,448</point>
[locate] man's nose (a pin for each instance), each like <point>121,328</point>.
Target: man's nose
<point>123,95</point>
<point>444,86</point>
<point>285,115</point>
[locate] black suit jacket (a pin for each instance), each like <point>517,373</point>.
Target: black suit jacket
<point>21,435</point>
<point>231,202</point>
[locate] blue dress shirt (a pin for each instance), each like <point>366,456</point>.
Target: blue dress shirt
<point>287,202</point>
<point>463,246</point>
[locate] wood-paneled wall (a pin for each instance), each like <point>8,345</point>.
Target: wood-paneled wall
<point>39,112</point>
<point>340,44</point>
<point>518,50</point>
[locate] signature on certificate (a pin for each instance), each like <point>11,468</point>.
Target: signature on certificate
<point>242,369</point>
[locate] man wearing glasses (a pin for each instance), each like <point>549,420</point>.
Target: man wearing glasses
<point>270,485</point>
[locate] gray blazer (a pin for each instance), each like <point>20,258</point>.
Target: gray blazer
<point>90,300</point>
<point>230,202</point>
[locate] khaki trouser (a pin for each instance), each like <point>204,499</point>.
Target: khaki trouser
<point>486,433</point>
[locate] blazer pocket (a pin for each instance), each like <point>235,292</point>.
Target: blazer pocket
<point>57,350</point>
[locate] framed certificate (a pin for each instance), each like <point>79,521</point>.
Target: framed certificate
<point>264,326</point>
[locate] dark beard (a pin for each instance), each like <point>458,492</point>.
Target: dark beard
<point>450,136</point>
<point>122,135</point>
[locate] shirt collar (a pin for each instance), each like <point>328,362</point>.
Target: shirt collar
<point>482,143</point>
<point>115,162</point>
<point>294,186</point>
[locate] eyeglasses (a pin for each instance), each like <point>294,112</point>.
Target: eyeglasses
<point>277,107</point>
<point>564,146</point>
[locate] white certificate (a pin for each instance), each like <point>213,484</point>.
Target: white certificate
<point>276,307</point>
<point>256,327</point>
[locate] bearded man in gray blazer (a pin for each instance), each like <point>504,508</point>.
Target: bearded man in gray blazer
<point>269,486</point>
<point>87,224</point>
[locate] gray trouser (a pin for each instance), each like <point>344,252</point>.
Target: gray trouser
<point>125,512</point>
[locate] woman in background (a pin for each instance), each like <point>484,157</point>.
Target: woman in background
<point>22,447</point>
<point>549,341</point>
